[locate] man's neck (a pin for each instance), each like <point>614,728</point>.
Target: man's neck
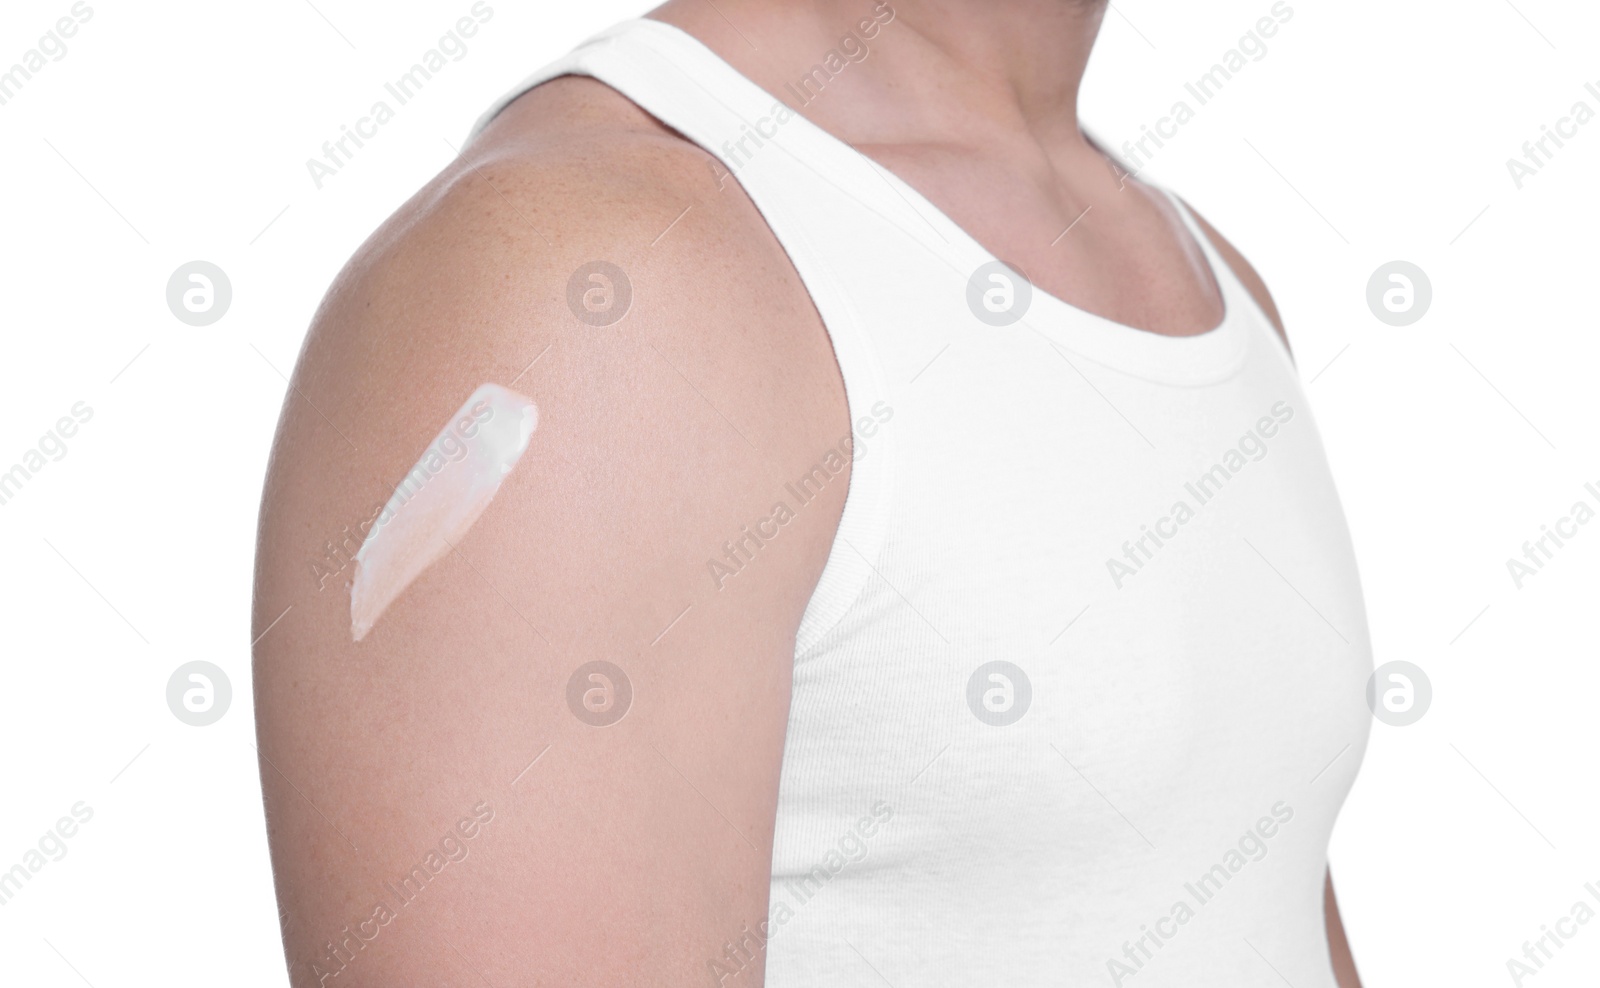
<point>933,71</point>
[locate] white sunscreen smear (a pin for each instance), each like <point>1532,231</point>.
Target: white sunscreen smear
<point>440,499</point>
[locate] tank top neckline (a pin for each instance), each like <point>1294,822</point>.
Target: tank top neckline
<point>611,56</point>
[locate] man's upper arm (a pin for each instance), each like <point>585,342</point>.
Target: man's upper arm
<point>441,804</point>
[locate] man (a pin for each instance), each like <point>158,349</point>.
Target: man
<point>752,654</point>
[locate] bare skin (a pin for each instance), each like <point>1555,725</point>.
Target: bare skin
<point>634,853</point>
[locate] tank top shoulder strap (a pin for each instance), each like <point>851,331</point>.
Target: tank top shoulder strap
<point>675,78</point>
<point>667,73</point>
<point>1240,301</point>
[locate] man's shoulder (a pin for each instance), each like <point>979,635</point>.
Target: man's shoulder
<point>573,169</point>
<point>584,254</point>
<point>574,210</point>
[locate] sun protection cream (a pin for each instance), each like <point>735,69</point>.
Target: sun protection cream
<point>440,498</point>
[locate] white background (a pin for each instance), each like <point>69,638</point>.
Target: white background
<point>1371,131</point>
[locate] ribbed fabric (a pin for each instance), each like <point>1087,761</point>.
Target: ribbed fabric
<point>1142,528</point>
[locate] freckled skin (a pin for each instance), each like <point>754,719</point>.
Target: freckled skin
<point>631,853</point>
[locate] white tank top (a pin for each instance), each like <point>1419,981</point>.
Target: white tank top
<point>1082,686</point>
